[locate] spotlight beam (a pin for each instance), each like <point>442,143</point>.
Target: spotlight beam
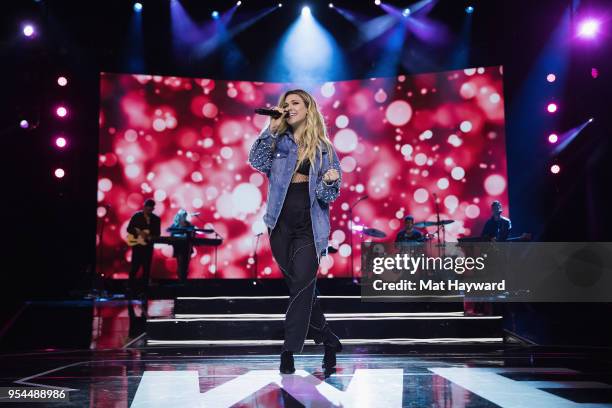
<point>207,47</point>
<point>569,136</point>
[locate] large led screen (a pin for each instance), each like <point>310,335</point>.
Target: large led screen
<point>406,142</point>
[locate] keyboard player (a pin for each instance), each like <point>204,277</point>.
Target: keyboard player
<point>182,246</point>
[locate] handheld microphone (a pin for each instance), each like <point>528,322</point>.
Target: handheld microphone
<point>269,112</point>
<point>195,213</point>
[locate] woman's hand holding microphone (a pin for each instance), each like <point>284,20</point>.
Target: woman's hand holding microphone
<point>275,123</point>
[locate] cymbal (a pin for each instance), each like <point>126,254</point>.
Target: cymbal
<point>331,250</point>
<point>424,224</point>
<point>373,232</point>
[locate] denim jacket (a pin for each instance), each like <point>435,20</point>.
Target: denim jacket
<point>276,157</point>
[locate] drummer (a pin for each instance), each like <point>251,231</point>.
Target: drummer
<point>409,233</point>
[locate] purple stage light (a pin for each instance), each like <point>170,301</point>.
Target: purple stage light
<point>551,108</point>
<point>61,142</point>
<point>62,81</point>
<point>61,112</point>
<point>28,30</point>
<point>588,28</point>
<point>377,2</point>
<point>594,73</point>
<point>59,173</point>
<point>551,77</point>
<point>24,124</point>
<point>555,169</point>
<point>553,138</point>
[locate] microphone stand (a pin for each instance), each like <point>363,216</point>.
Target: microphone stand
<point>350,211</point>
<point>438,225</point>
<point>441,245</point>
<point>98,283</point>
<point>217,236</point>
<point>255,257</point>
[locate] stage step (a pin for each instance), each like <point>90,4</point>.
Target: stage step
<point>354,342</point>
<point>367,327</point>
<point>258,320</point>
<point>199,306</point>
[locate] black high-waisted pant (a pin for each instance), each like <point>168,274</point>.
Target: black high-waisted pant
<point>293,248</point>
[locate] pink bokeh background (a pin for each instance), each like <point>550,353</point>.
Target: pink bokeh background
<point>185,142</point>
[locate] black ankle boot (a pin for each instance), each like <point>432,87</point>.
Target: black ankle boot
<point>329,358</point>
<point>332,346</point>
<point>286,362</point>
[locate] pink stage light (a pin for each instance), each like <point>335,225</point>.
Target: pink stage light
<point>551,108</point>
<point>555,169</point>
<point>61,112</point>
<point>62,81</point>
<point>553,138</point>
<point>59,173</point>
<point>61,142</point>
<point>594,73</point>
<point>588,28</point>
<point>24,124</point>
<point>551,77</point>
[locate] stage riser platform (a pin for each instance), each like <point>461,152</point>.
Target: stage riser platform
<point>330,304</point>
<point>257,329</point>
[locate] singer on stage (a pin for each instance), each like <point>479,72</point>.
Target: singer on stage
<point>304,176</point>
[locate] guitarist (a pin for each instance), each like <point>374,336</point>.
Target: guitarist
<point>144,225</point>
<point>497,227</point>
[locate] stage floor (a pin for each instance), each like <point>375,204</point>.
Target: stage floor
<point>383,376</point>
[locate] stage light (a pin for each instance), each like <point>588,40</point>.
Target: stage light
<point>61,142</point>
<point>280,4</point>
<point>239,4</point>
<point>551,77</point>
<point>319,56</point>
<point>331,5</point>
<point>377,2</point>
<point>469,9</point>
<point>137,7</point>
<point>566,138</point>
<point>588,28</point>
<point>59,173</point>
<point>553,138</point>
<point>594,73</point>
<point>555,169</point>
<point>62,81</point>
<point>61,112</point>
<point>28,30</point>
<point>215,14</point>
<point>406,12</point>
<point>551,108</point>
<point>24,124</point>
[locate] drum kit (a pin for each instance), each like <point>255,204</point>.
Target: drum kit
<point>376,233</point>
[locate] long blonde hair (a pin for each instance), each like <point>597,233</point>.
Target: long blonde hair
<point>315,131</point>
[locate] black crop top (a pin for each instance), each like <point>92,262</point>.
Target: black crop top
<point>304,168</point>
